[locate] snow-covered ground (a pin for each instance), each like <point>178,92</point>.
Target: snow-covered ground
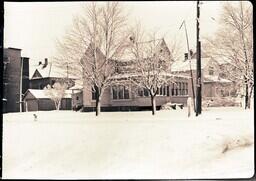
<point>116,145</point>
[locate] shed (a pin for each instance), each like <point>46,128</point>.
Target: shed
<point>37,100</point>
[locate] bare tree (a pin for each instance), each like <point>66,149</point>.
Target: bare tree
<point>56,93</point>
<point>152,62</point>
<point>233,44</point>
<point>97,38</point>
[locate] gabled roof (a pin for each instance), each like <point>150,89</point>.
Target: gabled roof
<point>157,44</point>
<point>40,94</point>
<point>185,65</point>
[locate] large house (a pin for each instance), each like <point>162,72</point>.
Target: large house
<point>129,97</point>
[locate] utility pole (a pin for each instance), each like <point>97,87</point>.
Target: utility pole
<point>21,77</point>
<point>198,65</point>
<point>189,57</point>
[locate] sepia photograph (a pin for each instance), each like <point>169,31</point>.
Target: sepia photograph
<point>128,90</point>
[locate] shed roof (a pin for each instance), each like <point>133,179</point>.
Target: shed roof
<point>40,94</point>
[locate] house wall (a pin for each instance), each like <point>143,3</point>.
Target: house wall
<point>46,105</point>
<point>12,79</point>
<point>66,104</point>
<point>40,83</point>
<point>209,90</point>
<point>134,100</point>
<point>25,75</point>
<point>215,66</point>
<point>31,105</point>
<point>77,99</point>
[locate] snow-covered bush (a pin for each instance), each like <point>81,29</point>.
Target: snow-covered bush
<point>219,102</point>
<point>243,141</point>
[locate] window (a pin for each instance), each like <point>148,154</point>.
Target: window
<point>157,91</point>
<point>140,92</point>
<point>120,92</point>
<point>186,88</point>
<point>114,92</point>
<point>168,93</point>
<point>146,92</point>
<point>77,98</point>
<point>93,94</point>
<point>172,89</point>
<point>126,92</point>
<point>163,90</point>
<point>143,92</point>
<point>182,88</point>
<point>178,88</point>
<point>211,70</point>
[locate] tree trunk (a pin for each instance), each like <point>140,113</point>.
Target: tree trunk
<point>97,106</point>
<point>249,97</point>
<point>58,106</point>
<point>246,94</point>
<point>98,99</point>
<point>153,103</point>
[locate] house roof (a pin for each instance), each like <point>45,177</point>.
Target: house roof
<point>213,78</point>
<point>41,94</point>
<point>128,55</point>
<point>185,65</point>
<point>50,71</point>
<point>78,85</point>
<point>222,60</point>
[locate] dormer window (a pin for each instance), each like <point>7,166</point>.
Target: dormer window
<point>211,70</point>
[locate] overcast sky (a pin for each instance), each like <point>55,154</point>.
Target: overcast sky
<point>34,26</point>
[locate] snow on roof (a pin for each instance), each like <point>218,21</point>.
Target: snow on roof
<point>127,54</point>
<point>78,85</point>
<point>212,78</point>
<point>41,94</point>
<point>222,60</point>
<point>128,75</point>
<point>185,65</point>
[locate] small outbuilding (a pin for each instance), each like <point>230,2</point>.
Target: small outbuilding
<point>37,100</point>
